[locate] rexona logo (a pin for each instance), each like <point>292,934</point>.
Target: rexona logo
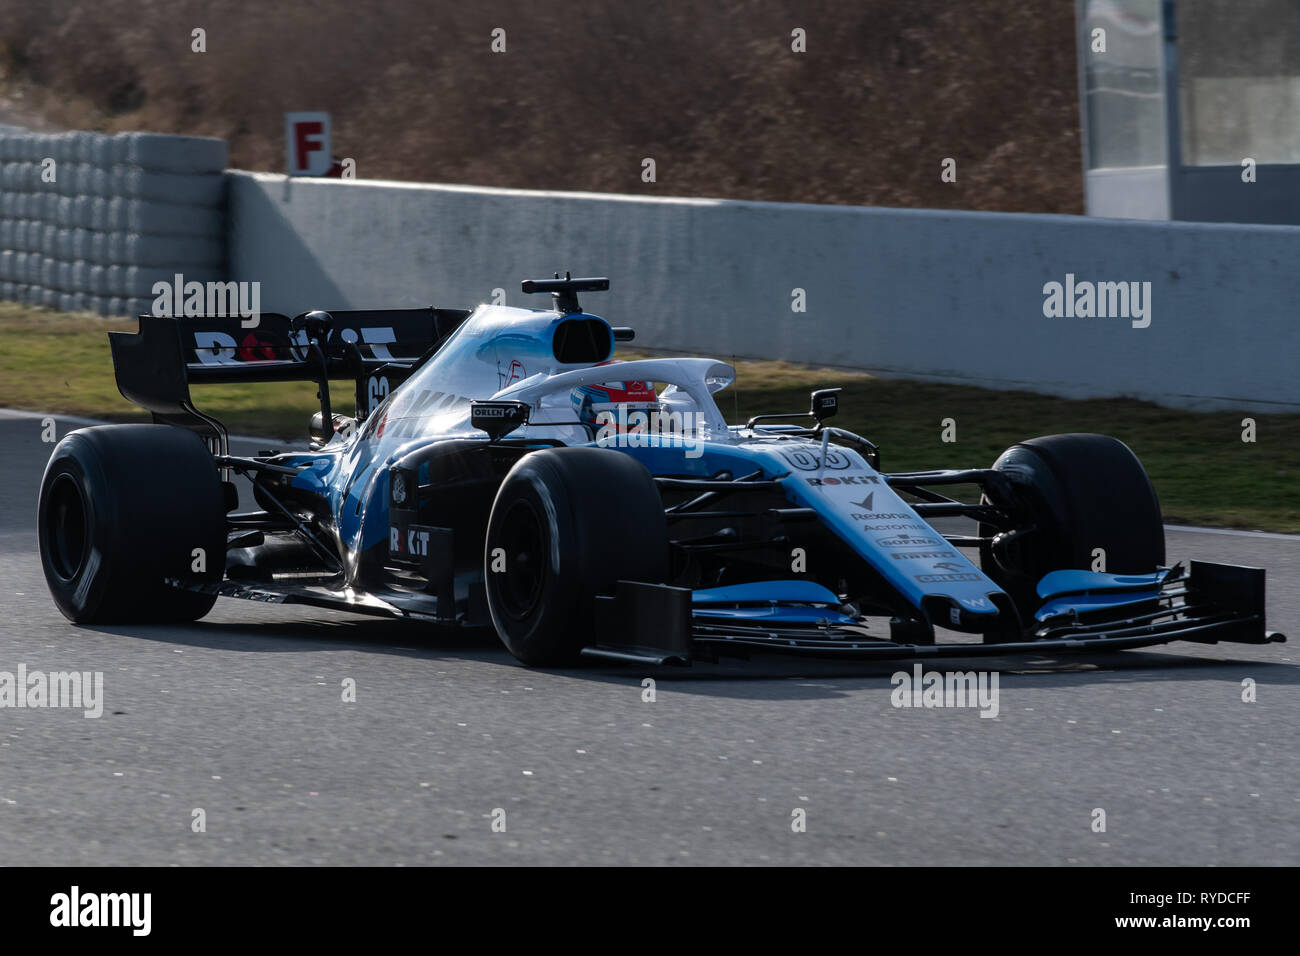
<point>1098,300</point>
<point>75,909</point>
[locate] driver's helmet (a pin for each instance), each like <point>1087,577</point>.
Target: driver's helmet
<point>620,400</point>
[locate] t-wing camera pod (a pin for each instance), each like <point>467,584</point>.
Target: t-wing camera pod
<point>565,293</point>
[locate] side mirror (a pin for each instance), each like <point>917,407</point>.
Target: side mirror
<point>825,403</point>
<point>498,419</point>
<point>318,325</point>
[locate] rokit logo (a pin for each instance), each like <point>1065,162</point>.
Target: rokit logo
<point>923,555</point>
<point>843,480</point>
<point>221,348</point>
<point>414,543</point>
<point>408,418</point>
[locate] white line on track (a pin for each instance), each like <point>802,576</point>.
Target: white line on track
<point>1235,532</point>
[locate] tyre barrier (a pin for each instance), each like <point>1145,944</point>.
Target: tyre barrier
<point>90,222</point>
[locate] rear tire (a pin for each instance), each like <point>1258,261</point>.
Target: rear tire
<point>1082,492</point>
<point>570,523</point>
<point>122,507</point>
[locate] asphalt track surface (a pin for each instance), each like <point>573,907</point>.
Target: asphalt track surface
<point>242,715</point>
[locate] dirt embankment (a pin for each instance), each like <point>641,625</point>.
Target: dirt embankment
<point>585,92</point>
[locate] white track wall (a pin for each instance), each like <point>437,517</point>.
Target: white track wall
<point>936,295</point>
<point>926,294</point>
<point>121,213</point>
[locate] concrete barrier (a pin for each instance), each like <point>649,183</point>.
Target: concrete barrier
<point>90,221</point>
<point>933,295</point>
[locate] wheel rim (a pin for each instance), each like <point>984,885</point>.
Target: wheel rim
<point>66,531</point>
<point>525,542</point>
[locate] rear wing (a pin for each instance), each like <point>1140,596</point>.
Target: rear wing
<point>377,349</point>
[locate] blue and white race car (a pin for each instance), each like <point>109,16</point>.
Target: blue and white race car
<point>503,470</point>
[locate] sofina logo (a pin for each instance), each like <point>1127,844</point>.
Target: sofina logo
<point>1098,300</point>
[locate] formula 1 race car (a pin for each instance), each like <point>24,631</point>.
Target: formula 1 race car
<point>501,469</point>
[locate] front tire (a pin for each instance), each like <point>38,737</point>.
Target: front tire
<point>1081,492</point>
<point>567,524</point>
<point>122,508</point>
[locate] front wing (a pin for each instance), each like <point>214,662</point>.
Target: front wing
<point>1208,604</point>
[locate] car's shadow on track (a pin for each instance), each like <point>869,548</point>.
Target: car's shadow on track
<point>380,636</point>
<point>762,676</point>
<point>754,677</point>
